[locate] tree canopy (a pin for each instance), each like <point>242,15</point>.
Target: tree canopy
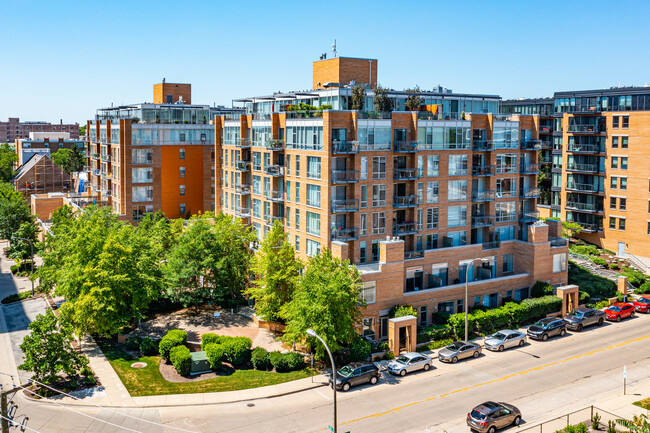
<point>14,211</point>
<point>413,100</point>
<point>70,160</point>
<point>381,100</point>
<point>327,301</point>
<point>276,272</point>
<point>358,97</point>
<point>8,159</point>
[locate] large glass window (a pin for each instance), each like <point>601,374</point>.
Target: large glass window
<point>457,165</point>
<point>506,163</point>
<point>313,248</point>
<point>505,211</point>
<point>433,191</point>
<point>257,185</point>
<point>369,291</point>
<point>141,156</point>
<point>305,137</point>
<point>313,223</point>
<point>379,167</point>
<point>313,195</point>
<point>433,165</point>
<point>142,174</point>
<point>142,193</point>
<point>506,188</point>
<point>374,137</point>
<point>432,218</point>
<point>378,223</point>
<point>559,262</point>
<point>313,167</point>
<point>457,216</point>
<point>457,190</point>
<point>379,195</point>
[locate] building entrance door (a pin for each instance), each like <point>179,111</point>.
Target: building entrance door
<point>621,249</point>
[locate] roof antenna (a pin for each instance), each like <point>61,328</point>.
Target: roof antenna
<point>334,47</point>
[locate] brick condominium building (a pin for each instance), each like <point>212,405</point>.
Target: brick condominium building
<point>599,161</point>
<point>416,199</point>
<point>14,129</point>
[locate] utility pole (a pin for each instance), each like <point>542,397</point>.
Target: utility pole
<point>4,411</point>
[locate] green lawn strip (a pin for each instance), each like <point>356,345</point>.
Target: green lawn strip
<point>645,403</point>
<point>148,380</point>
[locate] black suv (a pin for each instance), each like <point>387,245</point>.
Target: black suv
<point>356,373</point>
<point>548,327</point>
<point>581,317</point>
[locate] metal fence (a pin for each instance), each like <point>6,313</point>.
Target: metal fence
<point>584,415</point>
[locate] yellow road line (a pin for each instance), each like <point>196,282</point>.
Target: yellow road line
<point>499,379</point>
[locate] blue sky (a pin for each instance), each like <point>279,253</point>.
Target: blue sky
<point>64,59</point>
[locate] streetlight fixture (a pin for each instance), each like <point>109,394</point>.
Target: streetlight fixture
<point>312,333</point>
<point>31,244</point>
<point>468,264</point>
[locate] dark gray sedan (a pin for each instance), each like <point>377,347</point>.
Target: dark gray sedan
<point>581,317</point>
<point>459,350</point>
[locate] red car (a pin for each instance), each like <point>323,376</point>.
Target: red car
<point>619,311</point>
<point>642,305</point>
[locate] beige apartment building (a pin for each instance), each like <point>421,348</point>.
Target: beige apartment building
<point>416,199</point>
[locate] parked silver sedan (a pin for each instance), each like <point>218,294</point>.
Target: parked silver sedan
<point>459,350</point>
<point>505,339</point>
<point>409,362</point>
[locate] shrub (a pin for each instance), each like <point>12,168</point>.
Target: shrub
<point>595,285</point>
<point>584,297</point>
<point>237,350</point>
<point>634,277</point>
<point>435,345</point>
<point>644,289</point>
<point>181,359</point>
<point>210,338</point>
<point>595,421</point>
<point>403,310</point>
<point>585,250</point>
<point>295,361</point>
<point>260,358</point>
<point>388,356</point>
<point>359,349</point>
<point>602,304</point>
<point>215,355</point>
<point>279,362</point>
<point>16,297</point>
<point>541,288</point>
<point>434,332</point>
<point>599,261</point>
<point>614,266</point>
<point>439,318</point>
<point>173,338</point>
<point>133,342</point>
<point>148,347</point>
<point>379,346</point>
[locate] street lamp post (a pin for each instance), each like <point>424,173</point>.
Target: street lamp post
<point>469,263</point>
<point>31,244</point>
<point>312,333</point>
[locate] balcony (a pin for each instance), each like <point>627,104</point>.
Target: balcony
<point>584,129</point>
<point>545,130</point>
<point>405,147</point>
<point>490,245</point>
<point>586,187</point>
<point>483,170</point>
<point>405,174</point>
<point>416,254</point>
<point>482,145</point>
<point>275,144</point>
<point>243,143</point>
<point>270,220</point>
<point>276,197</point>
<point>584,148</point>
<point>556,150</point>
<point>105,157</point>
<point>530,169</point>
<point>482,220</point>
<point>345,234</point>
<point>243,189</point>
<point>94,155</point>
<point>405,201</point>
<point>530,193</point>
<point>589,168</point>
<point>96,172</point>
<point>345,176</point>
<point>583,207</point>
<point>243,166</point>
<point>528,217</point>
<point>558,242</point>
<point>479,196</point>
<point>242,212</point>
<point>531,145</point>
<point>589,227</point>
<point>343,147</point>
<point>275,170</point>
<point>345,205</point>
<point>405,229</point>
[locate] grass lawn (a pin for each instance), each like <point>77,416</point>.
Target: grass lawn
<point>148,380</point>
<point>645,403</point>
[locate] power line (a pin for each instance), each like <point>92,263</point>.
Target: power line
<point>98,406</point>
<point>21,426</point>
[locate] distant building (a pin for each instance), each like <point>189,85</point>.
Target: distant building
<point>45,143</point>
<point>40,175</point>
<point>15,129</point>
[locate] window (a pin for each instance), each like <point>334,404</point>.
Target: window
<point>433,165</point>
<point>362,252</point>
<point>267,187</point>
<point>379,195</point>
<point>142,174</point>
<point>364,168</point>
<point>181,153</point>
<point>297,243</point>
<point>649,227</point>
<point>369,291</point>
<point>457,165</point>
<point>506,163</point>
<point>621,224</point>
<point>379,167</point>
<point>378,223</point>
<point>615,121</point>
<point>297,219</point>
<point>626,122</point>
<point>313,223</point>
<point>432,241</point>
<point>257,161</point>
<point>508,262</point>
<point>420,221</point>
<point>313,195</point>
<point>267,159</point>
<point>505,211</point>
<point>182,171</point>
<point>612,223</point>
<point>364,196</point>
<point>297,192</point>
<point>313,167</point>
<point>182,190</point>
<point>457,216</point>
<point>257,185</point>
<point>420,166</point>
<point>612,202</point>
<point>287,191</point>
<point>313,248</point>
<point>142,193</point>
<point>374,250</point>
<point>622,203</point>
<point>623,183</point>
<point>614,162</point>
<point>297,165</point>
<point>457,190</point>
<point>559,262</point>
<point>363,224</point>
<point>615,142</point>
<point>142,156</point>
<point>287,164</point>
<point>182,209</point>
<point>433,192</point>
<point>506,188</point>
<point>624,163</point>
<point>624,142</point>
<point>613,183</point>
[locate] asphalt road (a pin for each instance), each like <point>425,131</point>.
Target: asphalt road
<point>543,379</point>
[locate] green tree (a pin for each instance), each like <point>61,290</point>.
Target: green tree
<point>327,301</point>
<point>14,211</point>
<point>638,424</point>
<point>20,248</point>
<point>381,100</point>
<point>413,100</point>
<point>48,349</point>
<point>70,160</point>
<point>82,130</point>
<point>358,97</point>
<point>277,274</point>
<point>8,159</point>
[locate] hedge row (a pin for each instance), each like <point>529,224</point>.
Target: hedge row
<point>219,348</point>
<point>173,338</point>
<point>510,315</point>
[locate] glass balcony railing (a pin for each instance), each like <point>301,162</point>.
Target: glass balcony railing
<point>244,143</point>
<point>478,196</point>
<point>404,229</point>
<point>585,207</point>
<point>275,144</point>
<point>345,176</point>
<point>345,205</point>
<point>530,193</point>
<point>405,147</point>
<point>528,217</point>
<point>405,201</point>
<point>345,234</point>
<point>275,170</point>
<point>276,196</point>
<point>243,189</point>
<point>483,170</point>
<point>589,168</point>
<point>405,174</point>
<point>242,212</point>
<point>529,169</point>
<point>343,147</point>
<point>482,220</point>
<point>482,145</point>
<point>243,166</point>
